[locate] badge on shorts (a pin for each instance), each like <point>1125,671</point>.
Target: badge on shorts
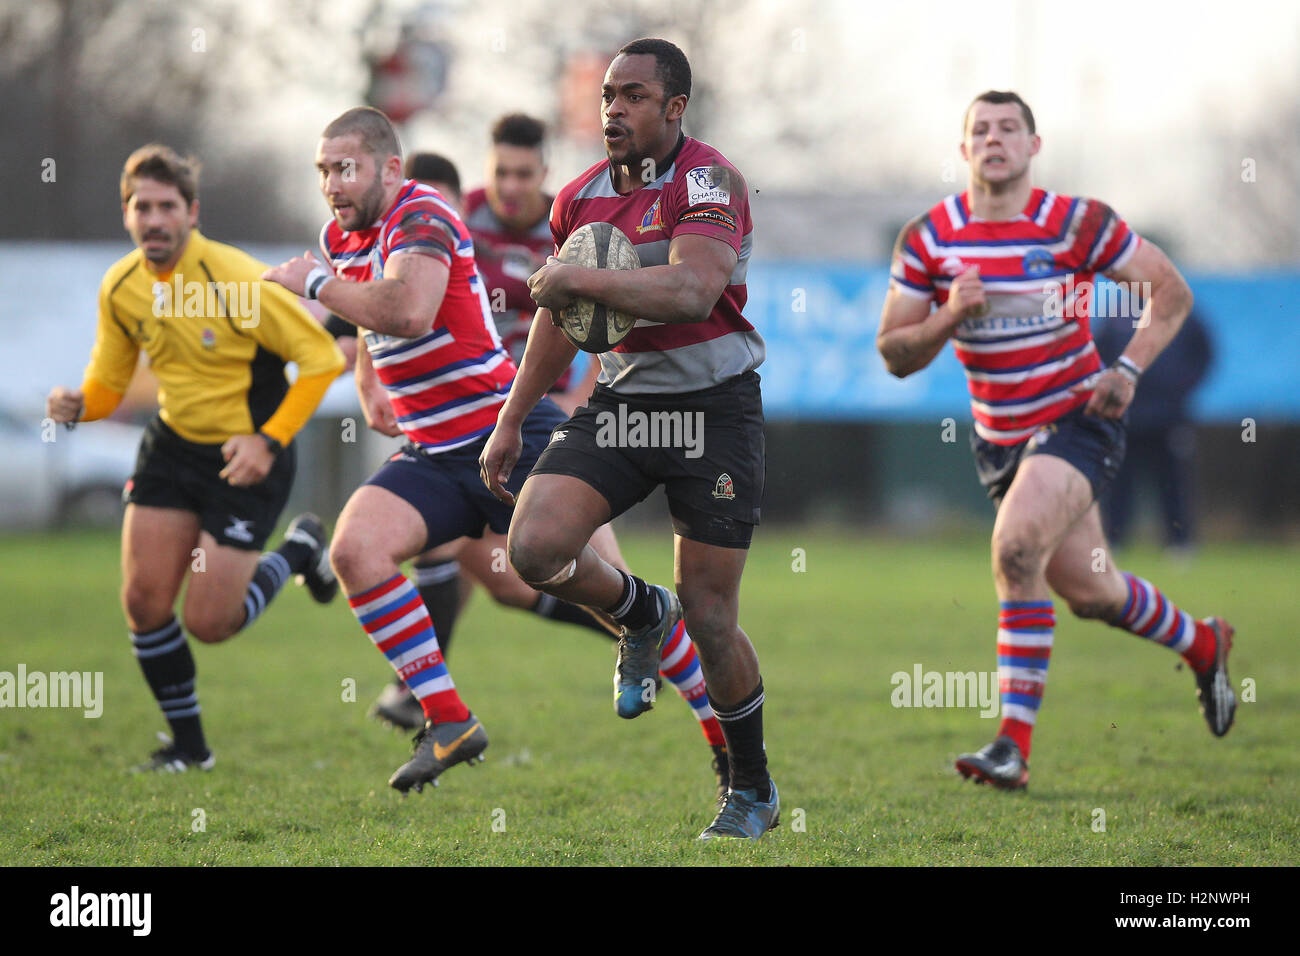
<point>724,487</point>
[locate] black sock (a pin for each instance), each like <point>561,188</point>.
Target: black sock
<point>168,666</point>
<point>638,605</point>
<point>273,570</point>
<point>553,609</point>
<point>742,725</point>
<point>296,553</point>
<point>439,587</point>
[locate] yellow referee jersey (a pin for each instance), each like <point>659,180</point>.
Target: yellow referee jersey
<point>217,337</point>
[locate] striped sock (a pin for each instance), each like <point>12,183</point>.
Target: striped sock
<point>168,667</point>
<point>1024,648</point>
<point>398,623</point>
<point>1148,613</point>
<point>679,663</point>
<point>272,571</point>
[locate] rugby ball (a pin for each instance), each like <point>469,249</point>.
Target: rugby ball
<point>590,325</point>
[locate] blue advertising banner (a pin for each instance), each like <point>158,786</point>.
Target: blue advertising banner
<point>820,321</point>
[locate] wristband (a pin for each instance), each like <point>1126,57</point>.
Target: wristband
<point>1128,368</point>
<point>272,445</point>
<point>315,279</point>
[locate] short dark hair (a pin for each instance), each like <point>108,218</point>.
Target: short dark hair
<point>997,98</point>
<point>432,167</point>
<point>672,69</point>
<point>519,129</point>
<point>163,164</point>
<point>378,138</point>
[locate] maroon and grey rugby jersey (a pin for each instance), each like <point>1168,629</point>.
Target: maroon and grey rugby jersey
<point>506,258</point>
<point>698,193</point>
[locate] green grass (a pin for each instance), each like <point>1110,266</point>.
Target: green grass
<point>301,774</point>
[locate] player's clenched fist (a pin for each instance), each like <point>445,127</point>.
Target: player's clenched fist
<point>64,404</point>
<point>966,295</point>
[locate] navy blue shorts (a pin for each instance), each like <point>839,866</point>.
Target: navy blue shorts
<point>1091,444</point>
<point>447,488</point>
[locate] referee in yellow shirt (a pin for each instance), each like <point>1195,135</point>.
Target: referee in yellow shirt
<point>216,465</point>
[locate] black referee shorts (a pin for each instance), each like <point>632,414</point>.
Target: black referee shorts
<point>171,472</point>
<point>705,448</point>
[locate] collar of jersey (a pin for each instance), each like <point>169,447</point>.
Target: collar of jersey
<point>1035,200</point>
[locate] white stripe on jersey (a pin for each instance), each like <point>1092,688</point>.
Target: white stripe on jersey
<point>1015,345</point>
<point>466,371</point>
<point>1024,375</point>
<point>1024,408</point>
<point>485,401</point>
<point>398,357</point>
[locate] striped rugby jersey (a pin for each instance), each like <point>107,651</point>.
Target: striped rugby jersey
<point>447,386</point>
<point>1038,268</point>
<point>698,193</point>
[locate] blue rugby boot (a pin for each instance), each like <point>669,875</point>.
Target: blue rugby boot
<point>636,675</point>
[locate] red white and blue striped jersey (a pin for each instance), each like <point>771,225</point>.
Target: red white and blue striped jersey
<point>1034,344</point>
<point>448,385</point>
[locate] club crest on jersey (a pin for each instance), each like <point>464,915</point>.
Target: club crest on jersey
<point>653,219</point>
<point>208,338</point>
<point>724,487</point>
<point>1037,262</point>
<point>708,184</point>
<point>952,266</point>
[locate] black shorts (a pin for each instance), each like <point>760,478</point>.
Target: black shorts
<point>1091,444</point>
<point>705,448</point>
<point>171,472</point>
<point>447,487</point>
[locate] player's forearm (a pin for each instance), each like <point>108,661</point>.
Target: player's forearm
<point>671,293</point>
<point>910,348</point>
<point>546,356</point>
<point>380,306</point>
<point>1166,310</point>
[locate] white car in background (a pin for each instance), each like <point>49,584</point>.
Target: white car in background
<point>73,481</point>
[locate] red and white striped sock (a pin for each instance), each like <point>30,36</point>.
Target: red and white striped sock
<point>1148,613</point>
<point>399,625</point>
<point>680,664</point>
<point>1025,630</point>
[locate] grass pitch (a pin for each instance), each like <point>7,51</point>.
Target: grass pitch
<point>301,770</point>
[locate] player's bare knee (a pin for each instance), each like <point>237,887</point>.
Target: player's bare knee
<point>710,620</point>
<point>209,627</point>
<point>539,565</point>
<point>1015,560</point>
<point>145,607</point>
<point>348,557</point>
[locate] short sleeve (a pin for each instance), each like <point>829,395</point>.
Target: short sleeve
<point>1111,241</point>
<point>709,200</point>
<point>909,269</point>
<point>423,229</point>
<point>558,231</point>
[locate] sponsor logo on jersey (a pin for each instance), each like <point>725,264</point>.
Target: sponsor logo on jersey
<point>653,219</point>
<point>708,184</point>
<point>713,215</point>
<point>239,529</point>
<point>724,487</point>
<point>1037,262</point>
